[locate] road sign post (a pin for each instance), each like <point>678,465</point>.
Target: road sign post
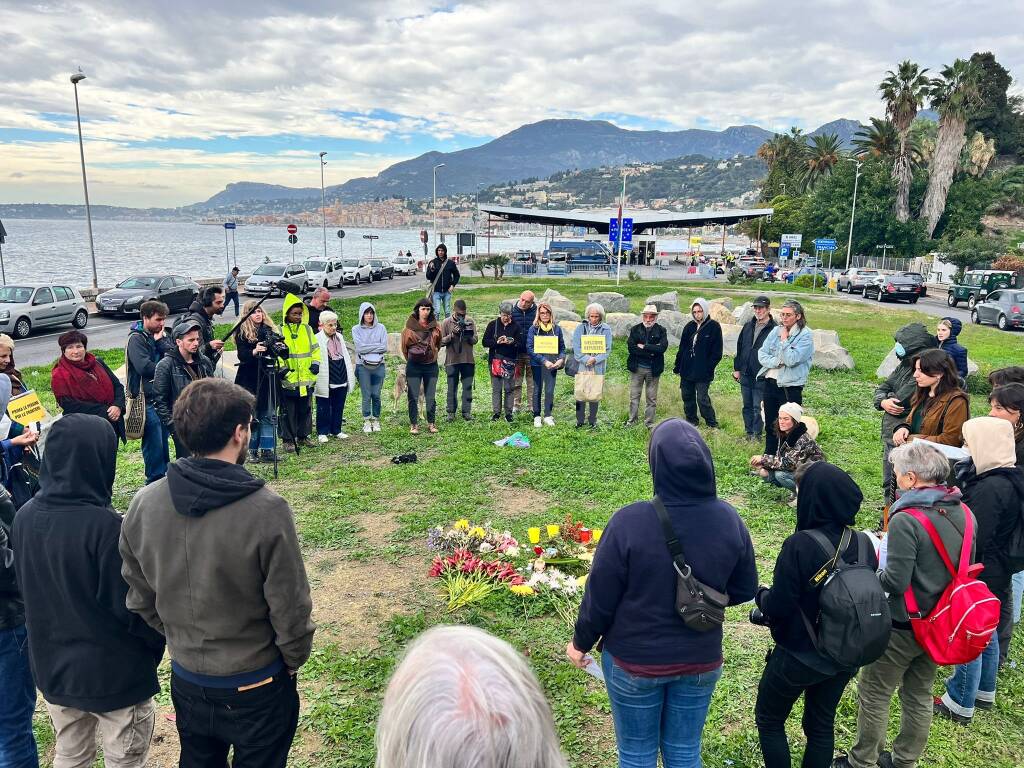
<point>229,225</point>
<point>341,243</point>
<point>3,239</point>
<point>371,238</point>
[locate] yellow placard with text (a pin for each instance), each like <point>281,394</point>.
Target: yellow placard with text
<point>545,345</point>
<point>593,345</point>
<point>26,408</point>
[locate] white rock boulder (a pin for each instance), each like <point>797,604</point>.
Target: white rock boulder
<point>612,302</point>
<point>663,301</point>
<point>621,323</point>
<point>557,300</point>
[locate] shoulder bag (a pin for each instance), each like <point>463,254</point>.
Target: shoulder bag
<point>134,405</point>
<point>701,607</point>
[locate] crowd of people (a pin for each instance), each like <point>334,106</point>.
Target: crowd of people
<point>90,602</point>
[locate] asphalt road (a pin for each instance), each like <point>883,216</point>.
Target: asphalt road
<point>105,332</point>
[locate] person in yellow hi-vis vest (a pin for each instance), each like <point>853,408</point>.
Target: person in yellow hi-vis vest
<point>301,368</point>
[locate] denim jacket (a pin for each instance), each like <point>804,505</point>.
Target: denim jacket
<point>792,356</point>
<point>585,328</point>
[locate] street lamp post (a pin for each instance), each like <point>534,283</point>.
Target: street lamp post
<point>433,200</point>
<point>323,202</point>
<point>75,80</point>
<point>853,211</point>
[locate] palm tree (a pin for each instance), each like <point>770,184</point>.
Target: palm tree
<point>878,141</point>
<point>956,95</point>
<point>903,92</point>
<point>823,154</point>
<point>769,151</point>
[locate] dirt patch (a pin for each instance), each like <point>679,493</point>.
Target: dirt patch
<point>514,500</point>
<point>352,597</point>
<point>165,748</point>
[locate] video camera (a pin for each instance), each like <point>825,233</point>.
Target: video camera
<point>274,343</point>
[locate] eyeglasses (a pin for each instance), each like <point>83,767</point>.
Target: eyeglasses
<point>787,314</point>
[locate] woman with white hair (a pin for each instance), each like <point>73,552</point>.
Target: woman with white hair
<point>462,698</point>
<point>595,336</point>
<point>333,380</point>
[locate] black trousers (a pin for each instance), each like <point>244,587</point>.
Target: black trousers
<point>783,680</point>
<point>463,372</point>
<point>695,394</point>
<point>774,396</point>
<point>258,723</point>
<point>296,421</point>
<point>180,449</point>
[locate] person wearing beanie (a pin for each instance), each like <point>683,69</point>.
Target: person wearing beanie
<point>796,446</point>
<point>82,383</point>
<point>648,341</point>
<point>946,332</point>
<point>503,338</point>
<point>700,351</point>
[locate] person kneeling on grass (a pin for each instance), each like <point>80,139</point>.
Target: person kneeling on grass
<point>334,378</point>
<point>796,447</point>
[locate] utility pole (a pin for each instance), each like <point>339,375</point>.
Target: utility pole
<point>75,80</point>
<point>323,202</point>
<point>622,202</point>
<point>853,211</point>
<point>433,200</point>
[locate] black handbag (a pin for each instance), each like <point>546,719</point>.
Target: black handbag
<point>701,607</point>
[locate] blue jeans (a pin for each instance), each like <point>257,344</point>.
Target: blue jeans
<point>262,438</point>
<point>782,479</point>
<point>653,712</point>
<point>17,702</point>
<point>155,453</point>
<point>231,298</point>
<point>974,681</point>
<point>370,382</point>
<point>329,410</point>
<point>752,392</point>
<point>442,301</point>
<point>1018,593</point>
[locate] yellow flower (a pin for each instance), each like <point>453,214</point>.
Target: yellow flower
<point>582,580</point>
<point>522,589</point>
<point>461,525</point>
<point>478,532</point>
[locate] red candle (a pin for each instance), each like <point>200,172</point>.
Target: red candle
<point>585,535</point>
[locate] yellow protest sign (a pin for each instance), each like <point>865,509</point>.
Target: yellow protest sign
<point>545,345</point>
<point>592,345</point>
<point>26,408</point>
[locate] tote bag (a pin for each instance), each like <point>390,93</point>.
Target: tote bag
<point>589,387</point>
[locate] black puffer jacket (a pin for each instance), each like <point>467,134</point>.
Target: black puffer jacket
<point>171,378</point>
<point>700,351</point>
<point>197,312</point>
<point>12,607</point>
<point>829,500</point>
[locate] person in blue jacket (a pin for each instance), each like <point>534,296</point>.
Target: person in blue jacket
<point>544,366</point>
<point>946,332</point>
<point>785,359</point>
<point>593,325</point>
<point>660,673</point>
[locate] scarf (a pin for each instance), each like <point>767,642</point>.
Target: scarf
<point>546,327</point>
<point>17,387</point>
<point>86,381</point>
<point>334,347</point>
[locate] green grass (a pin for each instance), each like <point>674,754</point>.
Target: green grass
<point>353,503</point>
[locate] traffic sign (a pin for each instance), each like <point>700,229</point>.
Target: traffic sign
<point>784,250</point>
<point>825,244</point>
<point>423,236</point>
<point>627,230</point>
<point>229,225</point>
<point>794,240</point>
<point>292,229</point>
<point>293,239</point>
<point>341,233</point>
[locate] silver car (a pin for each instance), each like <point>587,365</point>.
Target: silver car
<point>25,307</point>
<point>264,279</point>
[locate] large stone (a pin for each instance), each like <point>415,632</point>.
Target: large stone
<point>891,361</point>
<point>557,300</point>
<point>564,314</point>
<point>824,338</point>
<point>673,321</point>
<point>743,313</point>
<point>568,329</point>
<point>621,323</point>
<point>664,301</point>
<point>395,344</point>
<point>832,357</point>
<point>719,312</point>
<point>725,302</point>
<point>612,302</point>
<point>730,335</point>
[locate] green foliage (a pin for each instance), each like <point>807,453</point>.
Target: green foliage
<point>967,201</point>
<point>807,281</point>
<point>971,250</point>
<point>878,141</point>
<point>999,115</point>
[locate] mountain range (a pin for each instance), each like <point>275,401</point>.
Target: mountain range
<point>536,150</point>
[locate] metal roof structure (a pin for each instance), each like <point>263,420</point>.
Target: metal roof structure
<point>643,220</point>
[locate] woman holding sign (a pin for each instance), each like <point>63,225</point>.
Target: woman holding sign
<point>82,383</point>
<point>547,355</point>
<point>591,344</point>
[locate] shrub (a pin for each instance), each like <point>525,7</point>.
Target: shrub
<point>808,281</point>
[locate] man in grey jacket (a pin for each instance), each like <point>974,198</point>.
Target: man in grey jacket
<point>212,561</point>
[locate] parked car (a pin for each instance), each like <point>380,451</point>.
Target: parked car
<point>24,307</point>
<point>919,279</point>
<point>752,266</point>
<point>263,281</point>
<point>324,274</point>
<point>1003,308</point>
<point>854,280</point>
<point>126,297</point>
<point>404,265</point>
<point>893,288</point>
<point>382,269</point>
<point>357,271</point>
<point>557,262</point>
<point>976,285</point>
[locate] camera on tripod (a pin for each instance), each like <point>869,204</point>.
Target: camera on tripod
<point>276,349</point>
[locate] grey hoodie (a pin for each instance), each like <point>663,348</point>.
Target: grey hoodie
<point>371,342</point>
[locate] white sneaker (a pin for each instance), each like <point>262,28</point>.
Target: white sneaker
<point>322,438</point>
<point>376,425</point>
<point>341,436</point>
<point>367,425</point>
<point>536,421</point>
<point>549,421</point>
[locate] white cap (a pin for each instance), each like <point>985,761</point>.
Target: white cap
<point>793,410</point>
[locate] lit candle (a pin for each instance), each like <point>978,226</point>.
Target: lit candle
<point>597,534</point>
<point>534,534</point>
<point>552,531</point>
<point>585,535</point>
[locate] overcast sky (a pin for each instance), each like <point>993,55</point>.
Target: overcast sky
<point>182,98</point>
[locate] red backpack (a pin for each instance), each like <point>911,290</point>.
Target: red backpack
<point>962,622</point>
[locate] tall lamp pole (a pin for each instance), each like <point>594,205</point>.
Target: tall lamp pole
<point>853,211</point>
<point>434,201</point>
<point>75,80</point>
<point>622,202</point>
<point>323,202</point>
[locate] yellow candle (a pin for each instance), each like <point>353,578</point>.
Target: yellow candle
<point>552,531</point>
<point>597,534</point>
<point>534,534</point>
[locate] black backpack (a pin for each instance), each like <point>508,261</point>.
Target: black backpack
<point>853,622</point>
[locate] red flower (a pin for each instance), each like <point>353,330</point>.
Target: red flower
<point>538,550</point>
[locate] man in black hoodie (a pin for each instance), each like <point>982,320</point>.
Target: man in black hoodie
<point>94,660</point>
<point>202,311</point>
<point>212,561</point>
<point>828,502</point>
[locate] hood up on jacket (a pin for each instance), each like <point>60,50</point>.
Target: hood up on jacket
<point>990,442</point>
<point>955,326</point>
<point>199,485</point>
<point>5,392</point>
<point>79,463</point>
<point>362,311</point>
<point>915,338</point>
<point>681,464</point>
<point>290,301</point>
<point>828,497</point>
<point>703,304</point>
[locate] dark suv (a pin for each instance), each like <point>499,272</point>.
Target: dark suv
<point>978,284</point>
